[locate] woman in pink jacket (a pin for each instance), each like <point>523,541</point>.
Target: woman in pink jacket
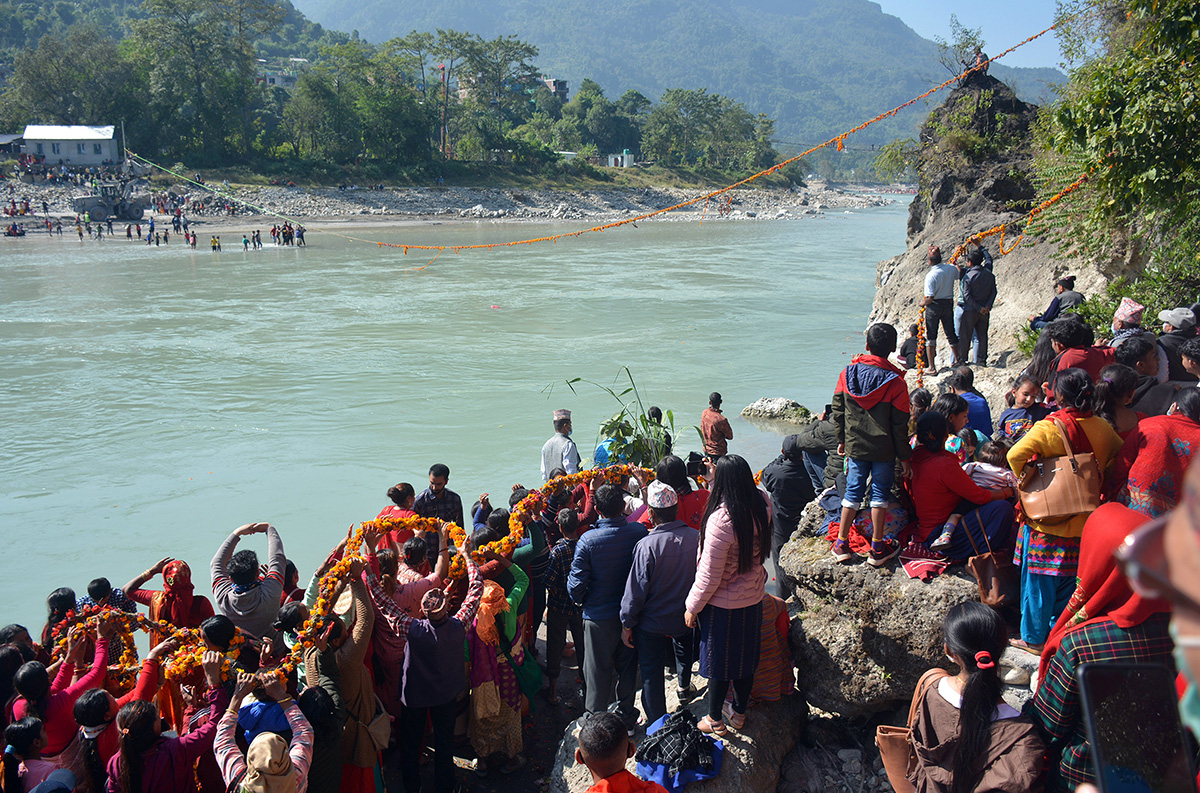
<point>726,598</point>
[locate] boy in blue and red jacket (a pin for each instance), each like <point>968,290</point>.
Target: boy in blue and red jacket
<point>870,411</point>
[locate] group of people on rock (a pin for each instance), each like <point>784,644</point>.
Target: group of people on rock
<point>935,480</point>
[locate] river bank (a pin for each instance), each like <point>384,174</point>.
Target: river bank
<point>330,204</point>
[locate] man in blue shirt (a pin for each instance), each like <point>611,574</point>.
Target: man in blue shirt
<point>664,568</point>
<point>599,570</point>
<point>979,415</point>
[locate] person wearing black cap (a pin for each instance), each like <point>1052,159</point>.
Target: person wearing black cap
<point>715,429</point>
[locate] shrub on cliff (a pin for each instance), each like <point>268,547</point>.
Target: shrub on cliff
<point>1128,116</point>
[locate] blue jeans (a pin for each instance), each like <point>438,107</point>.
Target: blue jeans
<point>652,650</point>
<point>814,463</point>
<point>881,473</point>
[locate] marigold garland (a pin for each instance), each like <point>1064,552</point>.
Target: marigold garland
<point>122,675</point>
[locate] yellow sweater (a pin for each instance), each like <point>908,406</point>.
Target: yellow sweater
<point>1043,440</point>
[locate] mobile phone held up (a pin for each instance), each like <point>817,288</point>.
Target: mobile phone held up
<point>1137,741</point>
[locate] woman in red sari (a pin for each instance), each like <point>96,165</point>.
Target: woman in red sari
<point>177,605</point>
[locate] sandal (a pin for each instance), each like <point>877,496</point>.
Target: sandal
<point>481,768</point>
<point>711,727</point>
<point>1034,649</point>
<point>736,720</point>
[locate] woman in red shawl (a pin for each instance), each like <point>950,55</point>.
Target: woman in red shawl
<point>177,605</point>
<point>1148,474</point>
<point>1104,620</point>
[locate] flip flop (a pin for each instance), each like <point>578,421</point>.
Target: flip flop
<point>1032,649</point>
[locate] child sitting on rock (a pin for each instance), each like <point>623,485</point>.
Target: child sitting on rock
<point>604,746</point>
<point>990,472</point>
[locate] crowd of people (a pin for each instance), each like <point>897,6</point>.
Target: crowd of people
<point>652,577</point>
<point>648,573</point>
<point>934,479</point>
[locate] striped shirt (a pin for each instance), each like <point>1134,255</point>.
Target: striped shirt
<point>233,762</point>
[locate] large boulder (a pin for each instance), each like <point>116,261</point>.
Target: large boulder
<point>753,756</point>
<point>862,636</point>
<point>778,409</point>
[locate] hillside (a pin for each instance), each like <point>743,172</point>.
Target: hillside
<point>816,66</point>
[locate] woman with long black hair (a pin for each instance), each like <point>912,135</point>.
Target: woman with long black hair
<point>965,737</point>
<point>1048,550</point>
<point>726,598</point>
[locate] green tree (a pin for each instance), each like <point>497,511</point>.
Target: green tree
<point>1128,118</point>
<point>80,78</point>
<point>958,53</point>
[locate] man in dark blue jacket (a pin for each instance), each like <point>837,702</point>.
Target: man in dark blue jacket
<point>599,570</point>
<point>978,297</point>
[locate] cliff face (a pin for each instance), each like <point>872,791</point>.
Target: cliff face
<point>974,157</point>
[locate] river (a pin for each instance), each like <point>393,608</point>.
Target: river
<point>154,398</point>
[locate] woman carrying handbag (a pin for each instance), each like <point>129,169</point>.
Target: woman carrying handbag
<point>963,738</point>
<point>1061,464</point>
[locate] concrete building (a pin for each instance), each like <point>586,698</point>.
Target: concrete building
<point>74,145</point>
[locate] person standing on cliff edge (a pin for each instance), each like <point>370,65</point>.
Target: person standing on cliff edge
<point>939,307</point>
<point>560,450</point>
<point>715,429</point>
<point>978,297</point>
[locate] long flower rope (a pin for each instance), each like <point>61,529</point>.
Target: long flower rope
<point>526,511</point>
<point>836,141</point>
<point>122,674</point>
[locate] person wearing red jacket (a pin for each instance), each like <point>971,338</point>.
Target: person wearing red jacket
<point>870,412</point>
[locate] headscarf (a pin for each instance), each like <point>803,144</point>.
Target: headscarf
<point>491,605</point>
<point>1103,591</point>
<point>268,766</point>
<point>174,603</point>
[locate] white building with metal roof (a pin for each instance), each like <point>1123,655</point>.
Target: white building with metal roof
<point>72,145</point>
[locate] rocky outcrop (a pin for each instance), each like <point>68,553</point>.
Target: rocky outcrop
<point>753,755</point>
<point>778,409</point>
<point>974,163</point>
<point>860,636</point>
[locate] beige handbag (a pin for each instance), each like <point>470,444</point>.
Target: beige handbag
<point>895,743</point>
<point>1056,488</point>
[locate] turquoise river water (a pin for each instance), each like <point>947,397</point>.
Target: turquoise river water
<point>156,398</point>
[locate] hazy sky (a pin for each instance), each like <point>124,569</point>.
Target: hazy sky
<point>1003,24</point>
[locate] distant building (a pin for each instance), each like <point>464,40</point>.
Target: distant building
<point>622,160</point>
<point>71,145</point>
<point>11,144</point>
<point>557,87</point>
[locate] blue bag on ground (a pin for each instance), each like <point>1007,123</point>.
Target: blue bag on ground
<point>675,752</point>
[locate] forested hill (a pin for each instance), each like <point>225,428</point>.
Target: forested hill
<point>816,66</point>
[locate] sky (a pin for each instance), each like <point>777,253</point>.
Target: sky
<point>1003,24</point>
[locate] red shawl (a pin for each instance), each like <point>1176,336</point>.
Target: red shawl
<point>176,603</point>
<point>1103,592</point>
<point>1075,433</point>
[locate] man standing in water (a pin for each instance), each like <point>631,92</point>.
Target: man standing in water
<point>715,429</point>
<point>560,450</point>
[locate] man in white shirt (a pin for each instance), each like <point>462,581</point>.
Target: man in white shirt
<point>560,451</point>
<point>939,307</point>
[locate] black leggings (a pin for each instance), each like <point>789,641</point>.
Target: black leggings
<point>717,689</point>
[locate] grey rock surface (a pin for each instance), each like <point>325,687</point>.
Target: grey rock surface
<point>860,636</point>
